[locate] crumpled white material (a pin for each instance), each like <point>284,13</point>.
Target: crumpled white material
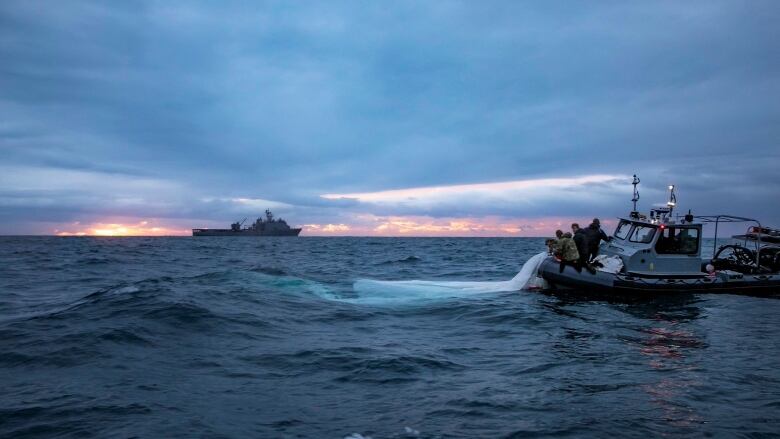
<point>611,264</point>
<point>386,292</point>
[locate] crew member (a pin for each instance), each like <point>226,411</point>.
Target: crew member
<point>552,244</point>
<point>567,252</point>
<point>594,236</point>
<point>581,240</point>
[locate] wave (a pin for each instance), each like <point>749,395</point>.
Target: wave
<point>407,260</point>
<point>271,271</point>
<point>381,292</point>
<point>97,261</point>
<point>353,364</point>
<point>205,300</point>
<point>183,315</point>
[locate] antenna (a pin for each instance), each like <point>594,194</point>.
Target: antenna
<point>636,192</point>
<point>672,199</point>
<point>634,213</point>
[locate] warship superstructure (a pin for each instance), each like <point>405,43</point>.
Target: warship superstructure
<point>268,226</point>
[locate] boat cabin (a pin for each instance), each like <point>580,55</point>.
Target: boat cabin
<point>657,247</point>
<point>660,244</point>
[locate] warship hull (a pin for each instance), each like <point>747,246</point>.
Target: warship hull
<point>231,232</point>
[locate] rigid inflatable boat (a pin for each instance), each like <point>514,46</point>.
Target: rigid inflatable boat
<point>662,253</point>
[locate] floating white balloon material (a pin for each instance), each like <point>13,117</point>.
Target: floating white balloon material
<point>378,292</point>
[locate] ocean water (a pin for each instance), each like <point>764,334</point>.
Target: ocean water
<point>361,337</point>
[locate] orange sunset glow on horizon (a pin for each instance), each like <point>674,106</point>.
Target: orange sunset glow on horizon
<point>142,228</point>
<point>363,225</point>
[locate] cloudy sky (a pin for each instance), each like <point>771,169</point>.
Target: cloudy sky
<point>383,118</point>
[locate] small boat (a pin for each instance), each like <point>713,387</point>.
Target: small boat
<point>662,253</point>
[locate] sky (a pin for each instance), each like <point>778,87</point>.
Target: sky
<point>383,118</point>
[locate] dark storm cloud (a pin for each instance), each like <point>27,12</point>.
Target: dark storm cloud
<point>284,102</point>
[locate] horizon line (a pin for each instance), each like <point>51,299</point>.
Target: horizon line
<point>243,237</point>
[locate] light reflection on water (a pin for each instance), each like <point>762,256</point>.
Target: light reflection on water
<point>670,347</point>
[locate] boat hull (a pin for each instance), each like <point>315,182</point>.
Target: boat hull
<point>635,283</point>
<point>230,232</point>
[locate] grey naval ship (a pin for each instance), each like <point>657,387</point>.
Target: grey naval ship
<point>269,226</point>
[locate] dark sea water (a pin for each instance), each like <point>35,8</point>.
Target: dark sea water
<point>281,337</point>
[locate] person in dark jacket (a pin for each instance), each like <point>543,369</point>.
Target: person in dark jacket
<point>594,235</point>
<point>581,240</point>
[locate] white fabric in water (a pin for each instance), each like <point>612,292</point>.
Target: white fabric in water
<point>528,277</point>
<point>380,292</point>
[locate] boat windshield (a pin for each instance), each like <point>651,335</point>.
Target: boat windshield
<point>621,232</point>
<point>643,234</point>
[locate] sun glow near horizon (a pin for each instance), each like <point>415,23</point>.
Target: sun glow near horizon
<point>142,228</point>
